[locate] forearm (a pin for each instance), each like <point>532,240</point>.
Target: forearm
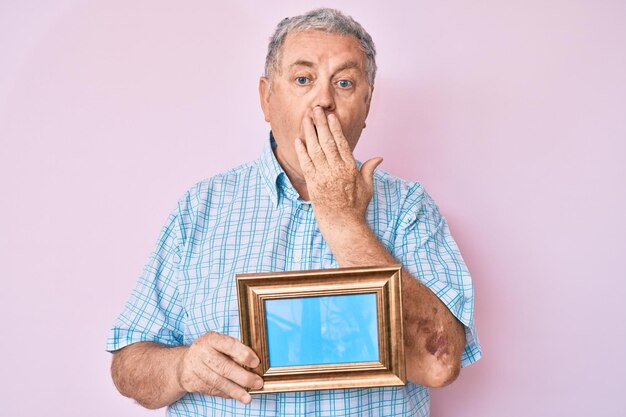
<point>434,339</point>
<point>148,373</point>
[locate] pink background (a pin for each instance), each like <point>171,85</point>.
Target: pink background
<point>512,114</point>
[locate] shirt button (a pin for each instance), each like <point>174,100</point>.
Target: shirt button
<point>306,207</point>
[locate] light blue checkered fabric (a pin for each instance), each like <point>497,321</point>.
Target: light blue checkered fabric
<point>250,219</point>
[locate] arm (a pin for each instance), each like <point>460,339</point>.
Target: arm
<point>145,372</point>
<point>157,375</point>
<point>434,339</point>
<point>340,194</point>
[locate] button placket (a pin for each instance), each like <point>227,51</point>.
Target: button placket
<point>300,255</point>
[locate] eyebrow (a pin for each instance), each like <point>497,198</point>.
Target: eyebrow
<point>348,65</point>
<point>302,63</point>
<point>345,66</point>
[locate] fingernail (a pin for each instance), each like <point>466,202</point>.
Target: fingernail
<point>246,398</point>
<point>255,362</point>
<point>259,384</point>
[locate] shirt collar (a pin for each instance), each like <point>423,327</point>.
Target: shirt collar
<point>274,176</point>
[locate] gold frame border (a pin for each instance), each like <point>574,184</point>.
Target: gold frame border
<point>385,282</point>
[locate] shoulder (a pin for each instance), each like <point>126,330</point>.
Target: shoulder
<point>405,192</point>
<point>205,191</point>
<point>213,193</point>
<point>409,199</point>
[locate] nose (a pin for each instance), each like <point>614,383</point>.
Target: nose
<point>325,97</point>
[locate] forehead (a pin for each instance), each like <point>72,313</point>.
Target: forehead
<point>317,48</point>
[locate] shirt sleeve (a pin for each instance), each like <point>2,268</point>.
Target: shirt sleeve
<point>154,312</point>
<point>426,249</point>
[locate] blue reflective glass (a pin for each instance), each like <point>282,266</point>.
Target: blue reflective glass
<point>322,330</point>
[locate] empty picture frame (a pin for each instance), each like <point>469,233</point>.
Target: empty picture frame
<point>324,329</point>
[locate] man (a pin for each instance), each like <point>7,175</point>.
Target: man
<point>304,204</point>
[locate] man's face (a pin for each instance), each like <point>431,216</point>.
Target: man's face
<point>316,69</point>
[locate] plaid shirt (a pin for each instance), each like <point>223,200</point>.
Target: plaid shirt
<point>251,219</point>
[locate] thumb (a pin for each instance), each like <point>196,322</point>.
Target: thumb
<point>368,167</point>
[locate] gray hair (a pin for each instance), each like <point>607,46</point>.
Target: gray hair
<point>325,20</point>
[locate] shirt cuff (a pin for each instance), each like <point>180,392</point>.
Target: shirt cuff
<point>462,309</point>
<point>120,337</point>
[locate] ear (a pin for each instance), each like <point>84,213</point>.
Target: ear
<point>264,97</point>
<point>368,101</point>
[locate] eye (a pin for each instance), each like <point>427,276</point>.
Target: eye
<point>302,80</point>
<point>344,83</point>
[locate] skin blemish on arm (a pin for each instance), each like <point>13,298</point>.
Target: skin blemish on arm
<point>424,326</point>
<point>436,345</point>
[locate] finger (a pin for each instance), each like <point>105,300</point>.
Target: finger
<point>303,157</point>
<point>244,399</point>
<point>206,388</point>
<point>229,369</point>
<point>367,170</point>
<point>217,393</point>
<point>233,348</point>
<point>216,384</point>
<point>325,136</point>
<point>343,147</point>
<point>315,151</point>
